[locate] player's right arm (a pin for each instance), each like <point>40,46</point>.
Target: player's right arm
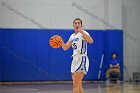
<point>67,45</point>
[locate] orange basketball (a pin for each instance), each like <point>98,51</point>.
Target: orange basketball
<point>55,41</point>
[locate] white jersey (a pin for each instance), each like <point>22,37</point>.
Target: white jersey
<point>79,44</point>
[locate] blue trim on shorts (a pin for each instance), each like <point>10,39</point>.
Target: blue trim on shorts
<point>85,65</point>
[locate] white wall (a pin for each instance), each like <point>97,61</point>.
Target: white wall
<point>115,13</point>
<point>131,27</point>
<point>58,14</point>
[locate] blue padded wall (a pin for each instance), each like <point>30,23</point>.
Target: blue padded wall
<point>27,55</point>
<point>113,43</point>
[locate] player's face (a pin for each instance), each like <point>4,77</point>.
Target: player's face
<point>77,24</point>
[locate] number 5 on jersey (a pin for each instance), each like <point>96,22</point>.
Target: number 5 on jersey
<point>74,46</point>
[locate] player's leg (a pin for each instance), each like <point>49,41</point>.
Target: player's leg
<point>83,72</point>
<point>81,88</point>
<point>77,82</point>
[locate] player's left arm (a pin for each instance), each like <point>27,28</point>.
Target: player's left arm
<point>86,36</point>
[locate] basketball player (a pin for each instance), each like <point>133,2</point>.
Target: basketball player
<point>79,67</point>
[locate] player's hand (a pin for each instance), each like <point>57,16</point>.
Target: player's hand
<point>62,40</point>
<point>80,30</point>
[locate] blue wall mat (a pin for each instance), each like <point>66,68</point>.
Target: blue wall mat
<point>27,55</point>
<point>113,43</point>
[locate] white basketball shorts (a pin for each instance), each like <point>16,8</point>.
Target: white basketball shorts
<point>80,63</point>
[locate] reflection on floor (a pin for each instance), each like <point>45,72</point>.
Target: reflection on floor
<point>67,88</point>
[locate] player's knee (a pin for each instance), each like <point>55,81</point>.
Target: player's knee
<point>76,83</point>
